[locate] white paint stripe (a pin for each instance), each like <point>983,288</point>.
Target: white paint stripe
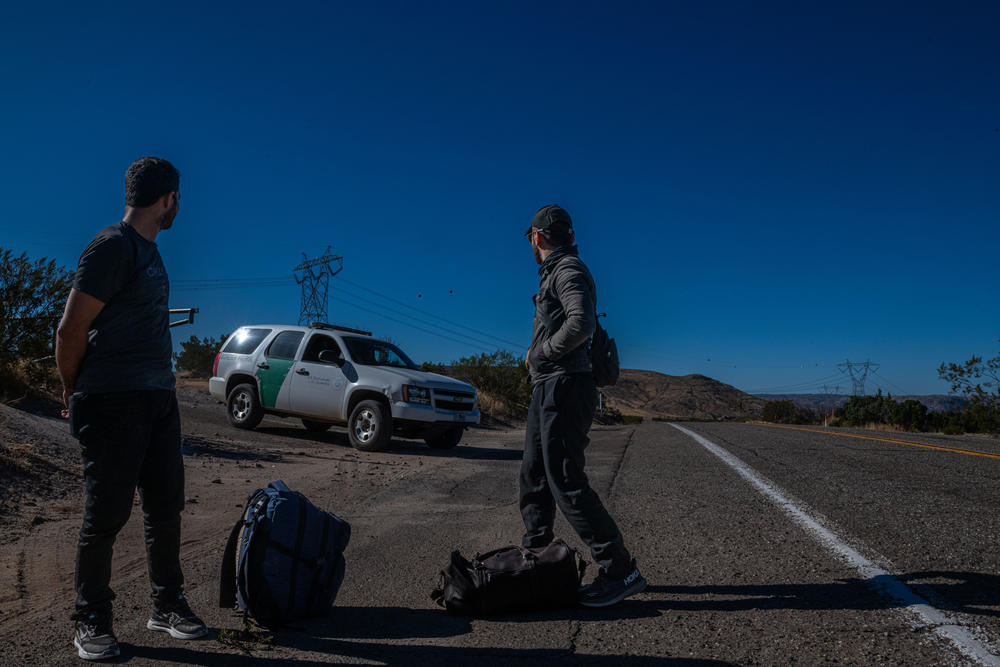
<point>925,616</point>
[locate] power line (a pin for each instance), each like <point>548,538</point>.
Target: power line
<point>433,324</point>
<point>241,283</point>
<point>792,387</point>
<point>900,389</point>
<point>414,326</point>
<point>419,310</point>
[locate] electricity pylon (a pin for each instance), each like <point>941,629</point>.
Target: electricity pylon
<point>858,372</point>
<point>314,276</point>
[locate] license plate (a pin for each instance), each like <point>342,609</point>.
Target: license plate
<point>460,417</point>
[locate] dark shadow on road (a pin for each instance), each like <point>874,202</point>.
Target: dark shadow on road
<point>460,452</point>
<point>392,654</point>
<point>966,592</point>
<point>195,446</point>
<point>397,445</point>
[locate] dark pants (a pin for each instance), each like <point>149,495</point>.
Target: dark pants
<point>128,439</point>
<point>559,418</point>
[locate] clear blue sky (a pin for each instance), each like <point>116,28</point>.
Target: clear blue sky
<point>762,190</point>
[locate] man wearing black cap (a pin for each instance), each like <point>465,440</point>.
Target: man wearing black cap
<point>562,407</point>
<point>113,352</point>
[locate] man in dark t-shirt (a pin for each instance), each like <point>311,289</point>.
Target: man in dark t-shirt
<point>113,351</point>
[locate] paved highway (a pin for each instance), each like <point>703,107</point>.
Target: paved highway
<point>762,545</point>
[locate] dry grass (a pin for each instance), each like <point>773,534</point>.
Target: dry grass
<point>18,456</point>
<point>500,409</point>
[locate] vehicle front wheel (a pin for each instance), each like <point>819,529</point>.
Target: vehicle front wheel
<point>243,407</point>
<point>316,427</point>
<point>370,426</point>
<point>446,439</point>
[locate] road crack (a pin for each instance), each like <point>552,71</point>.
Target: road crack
<point>619,463</point>
<point>574,633</point>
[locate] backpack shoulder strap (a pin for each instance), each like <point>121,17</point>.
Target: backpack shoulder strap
<point>227,572</point>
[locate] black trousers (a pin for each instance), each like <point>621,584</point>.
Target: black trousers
<point>559,419</point>
<point>128,440</point>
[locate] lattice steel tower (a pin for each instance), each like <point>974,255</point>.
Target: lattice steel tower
<point>858,372</point>
<point>314,276</point>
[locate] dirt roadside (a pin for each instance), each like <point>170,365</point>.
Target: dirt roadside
<point>43,498</point>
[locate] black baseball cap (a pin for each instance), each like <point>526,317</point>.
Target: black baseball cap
<point>552,216</point>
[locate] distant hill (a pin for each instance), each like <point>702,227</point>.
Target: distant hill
<point>829,402</point>
<point>650,394</point>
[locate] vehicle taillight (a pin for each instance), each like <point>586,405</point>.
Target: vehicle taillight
<point>215,365</point>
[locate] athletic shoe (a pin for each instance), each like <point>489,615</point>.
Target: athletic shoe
<point>177,619</point>
<point>606,591</point>
<point>93,637</point>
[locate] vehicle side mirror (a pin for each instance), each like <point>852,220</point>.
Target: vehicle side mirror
<point>331,357</point>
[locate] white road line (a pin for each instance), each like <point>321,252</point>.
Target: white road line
<point>923,614</point>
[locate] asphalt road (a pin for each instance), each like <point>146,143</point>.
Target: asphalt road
<point>733,578</point>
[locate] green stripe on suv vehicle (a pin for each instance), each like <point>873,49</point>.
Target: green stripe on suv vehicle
<point>271,379</point>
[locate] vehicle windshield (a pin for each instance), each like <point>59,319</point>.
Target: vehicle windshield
<point>371,352</point>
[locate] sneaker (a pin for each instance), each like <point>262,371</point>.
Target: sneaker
<point>606,591</point>
<point>93,637</point>
<point>178,620</point>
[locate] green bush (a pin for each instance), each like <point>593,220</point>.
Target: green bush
<point>32,297</point>
<point>198,356</point>
<point>787,412</point>
<point>501,379</point>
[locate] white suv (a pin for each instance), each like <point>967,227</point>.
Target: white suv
<point>327,374</point>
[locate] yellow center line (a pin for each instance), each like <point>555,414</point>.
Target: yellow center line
<point>970,452</point>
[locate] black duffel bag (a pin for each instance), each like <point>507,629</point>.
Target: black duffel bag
<point>511,579</point>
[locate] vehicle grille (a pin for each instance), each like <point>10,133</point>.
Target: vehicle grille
<point>449,401</point>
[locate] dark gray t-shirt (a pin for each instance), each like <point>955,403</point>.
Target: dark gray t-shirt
<point>128,345</point>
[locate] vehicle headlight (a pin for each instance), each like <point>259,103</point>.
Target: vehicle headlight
<point>418,395</point>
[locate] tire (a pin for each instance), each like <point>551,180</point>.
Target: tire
<point>243,407</point>
<point>446,439</point>
<point>370,426</point>
<point>316,427</point>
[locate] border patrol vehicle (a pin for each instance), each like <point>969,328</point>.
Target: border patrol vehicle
<point>326,374</point>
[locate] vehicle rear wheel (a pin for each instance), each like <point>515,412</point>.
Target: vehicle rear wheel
<point>370,426</point>
<point>243,407</point>
<point>316,427</point>
<point>446,439</point>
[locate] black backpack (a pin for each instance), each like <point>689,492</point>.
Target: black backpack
<point>291,561</point>
<point>603,355</point>
<point>510,579</point>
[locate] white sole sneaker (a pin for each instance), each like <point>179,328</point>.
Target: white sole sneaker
<point>105,655</point>
<point>173,632</point>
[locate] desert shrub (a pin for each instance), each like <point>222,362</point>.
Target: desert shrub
<point>198,356</point>
<point>501,379</point>
<point>32,296</point>
<point>787,412</point>
<point>862,410</point>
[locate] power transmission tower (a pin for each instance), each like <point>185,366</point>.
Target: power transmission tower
<point>314,276</point>
<point>858,372</point>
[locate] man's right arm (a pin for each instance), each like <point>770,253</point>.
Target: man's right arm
<point>71,337</point>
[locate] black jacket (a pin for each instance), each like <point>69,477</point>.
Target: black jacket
<point>565,317</point>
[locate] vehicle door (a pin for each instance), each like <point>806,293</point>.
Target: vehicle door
<point>273,369</point>
<point>318,387</point>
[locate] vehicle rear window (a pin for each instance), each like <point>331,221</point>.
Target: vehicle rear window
<point>284,345</point>
<point>246,341</point>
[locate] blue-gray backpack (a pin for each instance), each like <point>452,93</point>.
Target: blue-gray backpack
<point>290,563</point>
